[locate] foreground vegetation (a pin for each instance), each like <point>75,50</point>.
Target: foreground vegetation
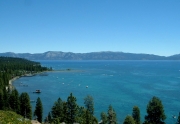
<point>9,117</point>
<point>11,102</point>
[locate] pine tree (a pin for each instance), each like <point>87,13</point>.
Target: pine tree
<point>88,117</point>
<point>81,115</point>
<point>14,101</point>
<point>136,114</point>
<point>104,118</point>
<point>89,105</point>
<point>155,112</point>
<point>72,109</point>
<point>6,99</point>
<point>39,110</point>
<point>49,117</point>
<point>65,112</point>
<point>129,120</point>
<point>57,109</point>
<point>25,106</point>
<point>111,116</point>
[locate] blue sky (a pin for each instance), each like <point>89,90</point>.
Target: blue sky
<point>80,26</point>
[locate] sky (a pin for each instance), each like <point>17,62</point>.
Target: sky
<point>81,26</point>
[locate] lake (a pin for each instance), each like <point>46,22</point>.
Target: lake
<point>123,84</point>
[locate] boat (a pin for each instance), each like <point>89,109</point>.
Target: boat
<point>37,91</point>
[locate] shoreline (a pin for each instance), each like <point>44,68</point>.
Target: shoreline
<point>31,75</point>
<point>11,81</point>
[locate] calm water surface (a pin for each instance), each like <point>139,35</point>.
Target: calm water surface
<point>123,84</point>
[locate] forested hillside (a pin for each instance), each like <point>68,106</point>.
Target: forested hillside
<point>10,98</point>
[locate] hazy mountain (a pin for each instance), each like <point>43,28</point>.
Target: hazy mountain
<point>58,55</point>
<point>174,57</point>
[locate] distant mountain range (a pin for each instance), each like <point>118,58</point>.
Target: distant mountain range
<point>58,55</point>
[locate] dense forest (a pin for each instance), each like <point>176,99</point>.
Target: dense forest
<point>63,111</point>
<point>9,98</point>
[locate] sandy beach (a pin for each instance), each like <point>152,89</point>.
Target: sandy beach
<point>15,78</point>
<point>10,82</point>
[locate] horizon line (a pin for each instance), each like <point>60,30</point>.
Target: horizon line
<point>90,52</point>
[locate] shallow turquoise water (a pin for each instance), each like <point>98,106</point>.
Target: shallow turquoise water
<point>122,84</point>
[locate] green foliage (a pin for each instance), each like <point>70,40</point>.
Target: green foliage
<point>65,112</point>
<point>55,121</point>
<point>129,120</point>
<point>111,116</point>
<point>25,109</point>
<point>11,65</point>
<point>71,109</point>
<point>89,105</point>
<point>39,110</point>
<point>81,115</point>
<point>57,109</point>
<point>49,117</point>
<point>136,114</point>
<point>95,121</point>
<point>104,118</point>
<point>5,98</point>
<point>155,112</point>
<point>9,117</point>
<point>14,101</point>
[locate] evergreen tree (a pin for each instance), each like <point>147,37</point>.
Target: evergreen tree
<point>136,114</point>
<point>57,109</point>
<point>6,99</point>
<point>65,112</point>
<point>72,109</point>
<point>25,106</point>
<point>6,79</point>
<point>49,117</point>
<point>155,112</point>
<point>95,120</point>
<point>111,116</point>
<point>89,105</point>
<point>39,110</point>
<point>14,101</point>
<point>104,118</point>
<point>55,121</point>
<point>88,118</point>
<point>129,120</point>
<point>81,115</point>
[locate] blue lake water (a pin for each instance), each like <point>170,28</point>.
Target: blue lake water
<point>123,84</point>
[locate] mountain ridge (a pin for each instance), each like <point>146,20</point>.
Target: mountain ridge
<point>103,55</point>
